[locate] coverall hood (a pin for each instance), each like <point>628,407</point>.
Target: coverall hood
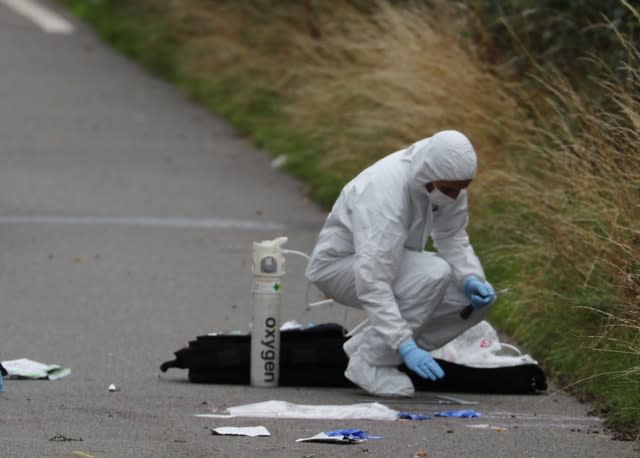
<point>447,156</point>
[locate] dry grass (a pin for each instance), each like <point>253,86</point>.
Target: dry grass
<point>376,82</point>
<point>586,182</point>
<point>363,83</point>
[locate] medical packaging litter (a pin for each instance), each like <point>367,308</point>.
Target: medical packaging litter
<point>341,436</point>
<point>250,431</point>
<point>27,369</point>
<point>283,409</point>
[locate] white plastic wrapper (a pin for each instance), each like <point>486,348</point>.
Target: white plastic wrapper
<point>323,437</point>
<point>283,409</point>
<point>250,431</point>
<point>480,346</point>
<point>28,369</point>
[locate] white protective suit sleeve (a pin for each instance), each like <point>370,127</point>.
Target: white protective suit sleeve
<point>379,242</point>
<point>452,242</point>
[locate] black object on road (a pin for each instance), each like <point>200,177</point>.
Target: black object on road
<point>314,357</point>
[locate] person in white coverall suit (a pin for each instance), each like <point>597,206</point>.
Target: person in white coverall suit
<point>370,254</point>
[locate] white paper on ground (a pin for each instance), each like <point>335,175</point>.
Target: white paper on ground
<point>26,368</point>
<point>251,431</point>
<point>283,409</point>
<point>492,427</point>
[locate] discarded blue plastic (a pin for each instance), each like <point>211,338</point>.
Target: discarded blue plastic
<point>352,434</point>
<point>412,416</point>
<point>1,384</point>
<point>468,413</point>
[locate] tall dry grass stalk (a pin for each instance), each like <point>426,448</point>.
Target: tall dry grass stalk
<point>376,82</point>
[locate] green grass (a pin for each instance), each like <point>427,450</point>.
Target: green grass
<point>563,323</point>
<point>148,40</point>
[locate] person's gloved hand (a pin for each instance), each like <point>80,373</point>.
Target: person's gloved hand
<point>420,361</point>
<point>479,292</point>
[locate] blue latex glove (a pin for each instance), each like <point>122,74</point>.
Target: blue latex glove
<point>353,434</point>
<point>465,413</point>
<point>479,292</point>
<point>420,361</point>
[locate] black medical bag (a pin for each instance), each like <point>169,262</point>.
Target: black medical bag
<point>314,357</point>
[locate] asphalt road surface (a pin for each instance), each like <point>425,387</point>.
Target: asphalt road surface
<point>127,215</point>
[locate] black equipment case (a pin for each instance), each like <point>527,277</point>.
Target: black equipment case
<point>314,357</point>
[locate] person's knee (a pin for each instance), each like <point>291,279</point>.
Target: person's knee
<point>429,274</point>
<point>436,279</point>
<point>436,272</point>
<point>439,269</point>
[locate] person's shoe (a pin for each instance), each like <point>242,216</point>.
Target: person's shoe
<point>379,380</point>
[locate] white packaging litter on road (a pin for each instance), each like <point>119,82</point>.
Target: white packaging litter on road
<point>323,437</point>
<point>341,436</point>
<point>250,431</point>
<point>498,428</point>
<point>26,368</point>
<point>283,409</point>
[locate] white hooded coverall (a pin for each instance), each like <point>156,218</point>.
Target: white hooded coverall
<point>370,251</point>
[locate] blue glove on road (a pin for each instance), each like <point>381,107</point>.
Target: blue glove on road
<point>479,292</point>
<point>420,361</point>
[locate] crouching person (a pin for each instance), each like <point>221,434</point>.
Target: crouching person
<point>370,254</point>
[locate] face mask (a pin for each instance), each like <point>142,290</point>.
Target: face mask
<point>440,199</point>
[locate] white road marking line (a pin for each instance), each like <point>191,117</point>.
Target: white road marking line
<point>43,17</point>
<point>175,223</point>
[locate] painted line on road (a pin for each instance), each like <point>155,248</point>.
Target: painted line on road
<point>43,17</point>
<point>175,223</point>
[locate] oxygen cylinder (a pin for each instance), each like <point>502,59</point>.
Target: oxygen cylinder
<point>268,270</point>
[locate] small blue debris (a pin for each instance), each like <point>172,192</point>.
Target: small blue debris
<point>412,416</point>
<point>465,413</point>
